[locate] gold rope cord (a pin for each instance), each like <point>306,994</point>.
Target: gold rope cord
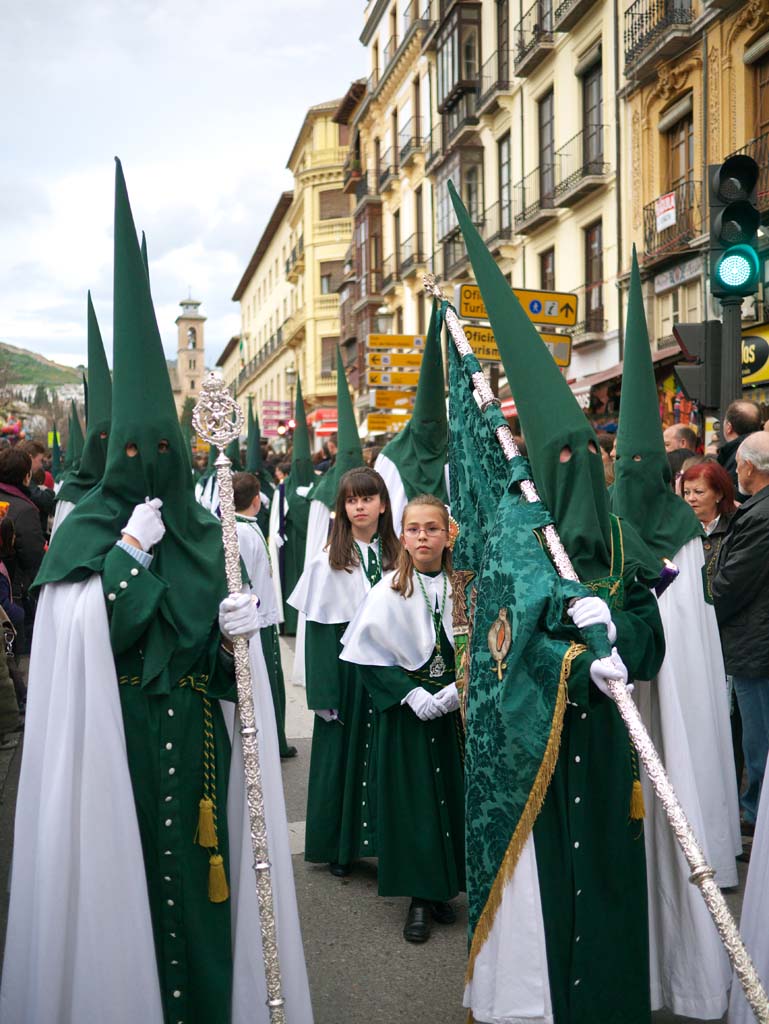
<point>529,814</point>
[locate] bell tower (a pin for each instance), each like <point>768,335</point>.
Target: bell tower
<point>191,352</point>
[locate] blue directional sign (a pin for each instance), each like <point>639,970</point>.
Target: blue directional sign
<point>535,306</point>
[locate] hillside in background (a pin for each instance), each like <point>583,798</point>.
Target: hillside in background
<point>20,367</point>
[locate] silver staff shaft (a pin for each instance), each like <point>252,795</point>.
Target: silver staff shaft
<point>702,875</point>
<point>214,423</point>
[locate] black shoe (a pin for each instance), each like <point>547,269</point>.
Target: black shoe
<point>443,913</point>
<point>339,870</point>
<point>288,752</point>
<point>417,926</point>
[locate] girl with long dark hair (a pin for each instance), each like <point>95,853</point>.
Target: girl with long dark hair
<point>341,811</point>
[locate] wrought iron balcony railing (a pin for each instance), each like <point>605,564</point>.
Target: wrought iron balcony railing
<point>499,224</point>
<point>432,144</point>
<point>580,166</point>
<point>391,272</point>
<point>534,198</point>
<point>758,148</point>
<point>669,227</point>
<point>388,169</point>
<point>533,36</point>
<point>649,21</point>
<point>410,140</point>
<point>495,79</point>
<point>413,255</point>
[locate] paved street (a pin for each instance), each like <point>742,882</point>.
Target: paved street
<point>360,968</point>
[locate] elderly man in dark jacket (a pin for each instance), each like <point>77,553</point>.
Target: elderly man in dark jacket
<point>15,472</point>
<point>741,597</point>
<point>741,419</point>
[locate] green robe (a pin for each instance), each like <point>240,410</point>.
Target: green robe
<point>590,853</point>
<point>271,651</point>
<point>420,787</point>
<point>165,744</point>
<point>293,559</point>
<point>341,798</point>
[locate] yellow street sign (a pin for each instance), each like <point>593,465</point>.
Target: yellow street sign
<point>485,347</point>
<point>378,360</point>
<point>406,378</point>
<point>556,309</point>
<point>384,423</point>
<point>396,341</point>
<point>392,399</point>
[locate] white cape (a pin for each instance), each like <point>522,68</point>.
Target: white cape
<point>755,913</point>
<point>254,552</point>
<point>685,709</point>
<point>390,630</point>
<point>329,595</point>
<point>276,542</point>
<point>62,510</point>
<point>79,946</point>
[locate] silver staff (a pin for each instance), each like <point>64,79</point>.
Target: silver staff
<point>213,420</point>
<point>702,875</point>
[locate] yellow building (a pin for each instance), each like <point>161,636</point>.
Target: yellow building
<point>288,294</point>
<point>697,91</point>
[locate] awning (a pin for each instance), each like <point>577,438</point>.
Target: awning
<point>584,384</point>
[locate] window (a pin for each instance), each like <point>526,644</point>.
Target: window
<point>472,192</point>
<point>546,149</point>
<point>761,73</point>
<point>192,365</point>
<point>503,40</point>
<point>592,118</point>
<point>192,337</point>
<point>397,239</point>
<point>459,54</point>
<point>505,184</point>
<point>422,299</point>
<point>344,135</point>
<point>547,270</point>
<point>418,221</point>
<point>328,356</point>
<point>331,272</point>
<point>680,305</point>
<point>594,277</point>
<point>681,153</point>
<point>334,203</point>
<point>192,385</point>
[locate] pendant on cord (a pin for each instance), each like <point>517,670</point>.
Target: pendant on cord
<point>437,667</point>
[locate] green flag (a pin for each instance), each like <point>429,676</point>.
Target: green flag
<point>297,515</point>
<point>349,454</point>
<point>255,465</point>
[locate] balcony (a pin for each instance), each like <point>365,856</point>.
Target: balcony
<point>758,148</point>
<point>327,305</point>
<point>388,170</point>
<point>655,30</point>
<point>495,81</point>
<point>569,12</point>
<point>498,225</point>
<point>352,174</point>
<point>365,190</point>
<point>534,38</point>
<point>593,328</point>
<point>413,257</point>
<point>410,141</point>
<point>456,263</point>
<point>388,54</point>
<point>668,232</point>
<point>461,120</point>
<point>580,166</point>
<point>369,289</point>
<point>294,327</point>
<point>431,21</point>
<point>534,200</point>
<point>432,145</point>
<point>391,273</point>
<point>295,262</point>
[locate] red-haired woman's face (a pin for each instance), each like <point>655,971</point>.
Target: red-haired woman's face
<point>702,498</point>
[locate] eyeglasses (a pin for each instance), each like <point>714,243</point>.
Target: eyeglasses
<point>431,531</point>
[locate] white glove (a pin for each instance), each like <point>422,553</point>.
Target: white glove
<point>423,704</point>
<point>329,716</point>
<point>239,616</point>
<point>448,698</point>
<point>590,611</point>
<point>604,669</point>
<point>146,523</point>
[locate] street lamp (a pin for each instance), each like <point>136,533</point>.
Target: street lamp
<point>384,320</point>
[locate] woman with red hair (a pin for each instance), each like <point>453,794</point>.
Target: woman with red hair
<point>708,489</point>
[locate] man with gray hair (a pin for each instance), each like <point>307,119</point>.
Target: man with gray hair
<point>741,596</point>
<point>680,436</point>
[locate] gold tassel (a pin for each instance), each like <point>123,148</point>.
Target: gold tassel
<point>218,891</point>
<point>206,833</point>
<point>637,809</point>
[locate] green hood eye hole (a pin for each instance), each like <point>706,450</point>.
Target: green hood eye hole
<point>132,450</point>
<point>164,446</point>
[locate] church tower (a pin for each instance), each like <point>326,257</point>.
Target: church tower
<point>191,353</point>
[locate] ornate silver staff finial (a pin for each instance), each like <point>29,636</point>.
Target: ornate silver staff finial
<point>217,419</point>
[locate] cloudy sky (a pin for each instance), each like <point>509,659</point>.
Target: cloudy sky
<point>201,101</point>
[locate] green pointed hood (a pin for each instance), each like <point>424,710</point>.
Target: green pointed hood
<point>349,454</point>
<point>55,454</point>
<point>189,558</point>
<point>232,451</point>
<point>302,472</point>
<point>420,450</point>
<point>574,491</point>
<point>254,461</point>
<point>85,399</point>
<point>75,439</point>
<point>145,257</point>
<point>98,415</point>
<point>642,492</point>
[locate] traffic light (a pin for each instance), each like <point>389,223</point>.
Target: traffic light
<point>734,222</point>
<point>700,376</point>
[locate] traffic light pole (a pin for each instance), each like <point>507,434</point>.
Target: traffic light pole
<point>731,352</point>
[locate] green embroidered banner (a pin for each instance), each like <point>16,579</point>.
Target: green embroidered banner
<point>520,650</point>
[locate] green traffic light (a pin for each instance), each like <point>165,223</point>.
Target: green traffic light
<point>737,270</point>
